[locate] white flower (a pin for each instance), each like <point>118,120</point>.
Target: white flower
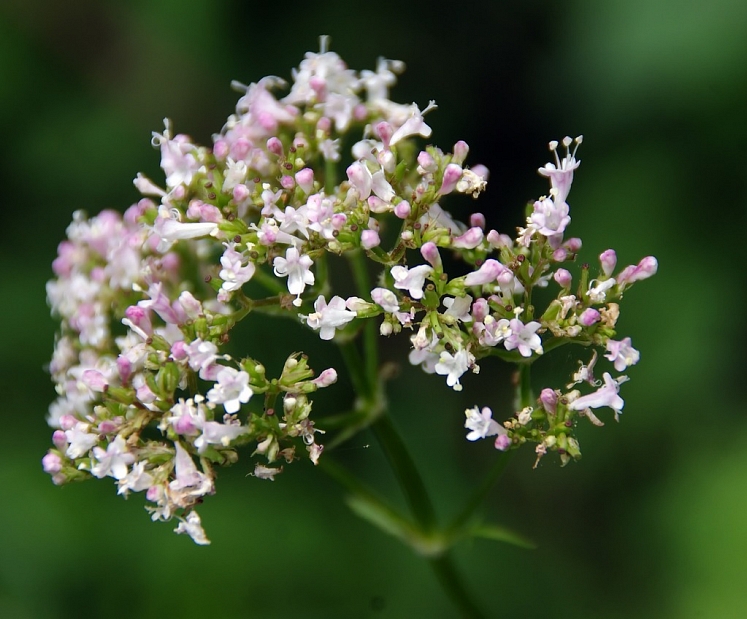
<point>480,423</point>
<point>297,268</point>
<point>453,366</point>
<point>622,354</point>
<point>114,461</point>
<point>329,317</point>
<point>192,526</point>
<point>412,279</point>
<point>233,274</point>
<point>231,390</point>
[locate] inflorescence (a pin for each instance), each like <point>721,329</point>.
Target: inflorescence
<point>148,395</point>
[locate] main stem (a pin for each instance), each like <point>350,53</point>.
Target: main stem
<point>398,456</point>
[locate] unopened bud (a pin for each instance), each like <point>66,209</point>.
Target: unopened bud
<point>608,260</point>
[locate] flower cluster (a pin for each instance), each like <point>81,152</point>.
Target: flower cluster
<point>148,395</point>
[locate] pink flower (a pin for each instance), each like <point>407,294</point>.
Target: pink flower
<point>607,395</point>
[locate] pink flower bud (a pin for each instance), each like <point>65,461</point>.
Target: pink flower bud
<point>563,278</point>
<point>179,350</point>
<point>370,239</point>
<point>220,149</point>
<point>560,254</point>
<point>429,251</point>
<point>502,442</point>
<point>460,152</point>
<point>240,193</point>
<point>499,241</point>
<point>287,182</point>
<point>385,131</point>
<point>573,245</point>
<point>324,124</point>
<point>94,380</point>
<point>549,400</point>
<point>481,171</point>
<point>377,205</point>
<point>452,174</point>
<point>608,259</point>
<point>480,309</point>
<point>300,142</point>
<point>426,161</point>
<point>107,426</point>
<point>506,279</point>
<point>643,270</point>
<point>360,112</point>
<point>52,463</point>
<point>305,179</point>
<point>68,422</point>
<point>139,317</point>
<point>275,146</point>
<point>402,210</point>
<point>486,274</point>
<point>59,440</point>
<point>469,240</point>
<point>326,378</point>
<point>477,220</point>
<point>124,367</point>
<point>589,316</point>
<point>338,221</point>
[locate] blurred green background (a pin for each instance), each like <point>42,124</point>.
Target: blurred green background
<point>651,523</point>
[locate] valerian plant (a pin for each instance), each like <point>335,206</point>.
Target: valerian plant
<point>147,300</point>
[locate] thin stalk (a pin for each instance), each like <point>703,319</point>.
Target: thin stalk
<point>481,492</point>
<point>453,586</point>
<point>370,339</point>
<point>404,469</point>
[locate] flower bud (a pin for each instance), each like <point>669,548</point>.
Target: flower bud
<point>486,274</point>
<point>52,463</point>
<point>549,400</point>
<point>240,193</point>
<point>573,245</point>
<point>460,152</point>
<point>499,241</point>
<point>608,260</point>
<point>385,131</point>
<point>502,442</point>
<point>477,220</point>
<point>287,182</point>
<point>402,210</point>
<point>305,180</point>
<point>560,254</point>
<point>452,174</point>
<point>59,439</point>
<point>589,316</point>
<point>275,146</point>
<point>429,251</point>
<point>426,161</point>
<point>643,270</point>
<point>480,309</point>
<point>370,239</point>
<point>469,240</point>
<point>326,378</point>
<point>563,278</point>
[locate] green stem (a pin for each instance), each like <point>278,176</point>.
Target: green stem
<point>481,492</point>
<point>404,469</point>
<point>354,364</point>
<point>453,586</point>
<point>370,339</point>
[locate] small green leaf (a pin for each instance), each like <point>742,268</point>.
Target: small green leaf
<point>502,534</point>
